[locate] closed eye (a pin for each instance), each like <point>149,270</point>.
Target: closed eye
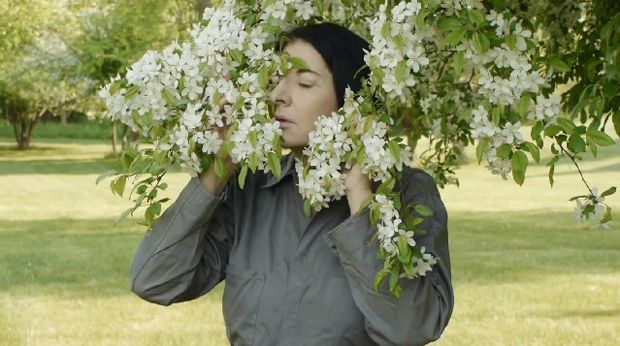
<point>305,85</point>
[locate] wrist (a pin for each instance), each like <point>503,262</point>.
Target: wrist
<point>356,197</point>
<point>214,183</point>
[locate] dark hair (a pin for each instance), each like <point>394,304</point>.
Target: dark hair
<point>342,50</point>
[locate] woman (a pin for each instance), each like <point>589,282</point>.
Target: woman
<point>292,279</point>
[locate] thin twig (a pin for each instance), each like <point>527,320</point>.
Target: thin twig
<point>572,157</point>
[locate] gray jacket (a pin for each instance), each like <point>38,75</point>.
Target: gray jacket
<point>292,279</point>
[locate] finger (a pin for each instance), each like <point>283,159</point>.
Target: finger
<point>223,101</point>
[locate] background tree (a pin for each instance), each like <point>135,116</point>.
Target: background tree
<point>37,71</point>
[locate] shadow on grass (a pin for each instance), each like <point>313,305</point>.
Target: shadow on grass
<point>525,246</point>
<point>62,166</point>
<point>92,257</point>
<point>84,257</point>
<point>612,167</point>
<point>588,313</point>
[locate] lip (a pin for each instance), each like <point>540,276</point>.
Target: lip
<point>284,122</point>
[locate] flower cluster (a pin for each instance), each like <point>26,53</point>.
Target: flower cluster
<point>337,141</point>
<point>397,50</point>
<point>545,109</point>
<point>328,146</point>
<point>172,97</point>
<point>500,91</point>
<point>390,228</point>
<point>591,207</point>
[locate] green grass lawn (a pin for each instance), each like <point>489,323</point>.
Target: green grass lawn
<point>525,272</point>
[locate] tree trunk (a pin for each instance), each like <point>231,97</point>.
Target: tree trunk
<point>24,132</point>
<point>124,138</point>
<point>201,5</point>
<point>23,127</point>
<point>114,136</point>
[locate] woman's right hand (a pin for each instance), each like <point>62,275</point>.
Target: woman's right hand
<point>209,178</point>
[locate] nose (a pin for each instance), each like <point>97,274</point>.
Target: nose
<point>278,95</point>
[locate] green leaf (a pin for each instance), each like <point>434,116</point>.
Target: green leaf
<point>253,161</point>
<point>386,187</point>
<point>559,65</point>
<point>609,192</point>
<point>205,162</point>
<point>394,277</point>
<point>220,168</point>
<point>103,176</point>
<point>318,4</point>
<point>458,63</point>
<point>400,71</point>
<point>519,166</point>
<point>536,130</point>
<point>483,143</point>
<point>511,41</point>
<point>123,215</point>
<point>551,172</point>
<point>453,39</point>
<point>236,55</point>
<point>599,137</point>
<point>593,147</point>
<point>403,249</point>
<point>607,217</point>
<point>481,42</point>
<point>118,185</point>
<point>142,189</point>
<point>400,42</point>
<point>504,150</point>
<point>499,5</point>
<point>496,114</point>
<point>274,164</point>
<point>307,207</point>
<point>379,277</point>
<point>449,24</point>
<point>386,30</point>
<point>533,149</point>
<point>577,144</point>
<point>366,202</point>
<point>423,210</point>
<point>611,90</point>
<point>131,92</point>
<point>263,77</point>
<point>567,125</point>
<point>168,96</point>
<point>242,175</point>
<point>552,130</point>
<point>116,86</point>
<point>375,214</point>
<point>361,155</point>
<point>476,17</point>
<point>298,63</point>
<point>395,149</point>
<point>465,115</point>
<point>553,161</point>
<point>616,121</point>
<point>156,208</point>
<point>524,105</point>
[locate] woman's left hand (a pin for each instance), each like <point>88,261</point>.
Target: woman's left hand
<point>358,187</point>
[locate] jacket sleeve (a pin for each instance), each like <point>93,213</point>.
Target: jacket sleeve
<point>184,255</point>
<point>426,302</point>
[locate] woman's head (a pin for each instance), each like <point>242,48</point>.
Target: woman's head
<point>334,55</point>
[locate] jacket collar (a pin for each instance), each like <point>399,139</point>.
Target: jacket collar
<point>288,168</point>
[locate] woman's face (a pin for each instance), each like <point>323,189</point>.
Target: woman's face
<point>302,96</point>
